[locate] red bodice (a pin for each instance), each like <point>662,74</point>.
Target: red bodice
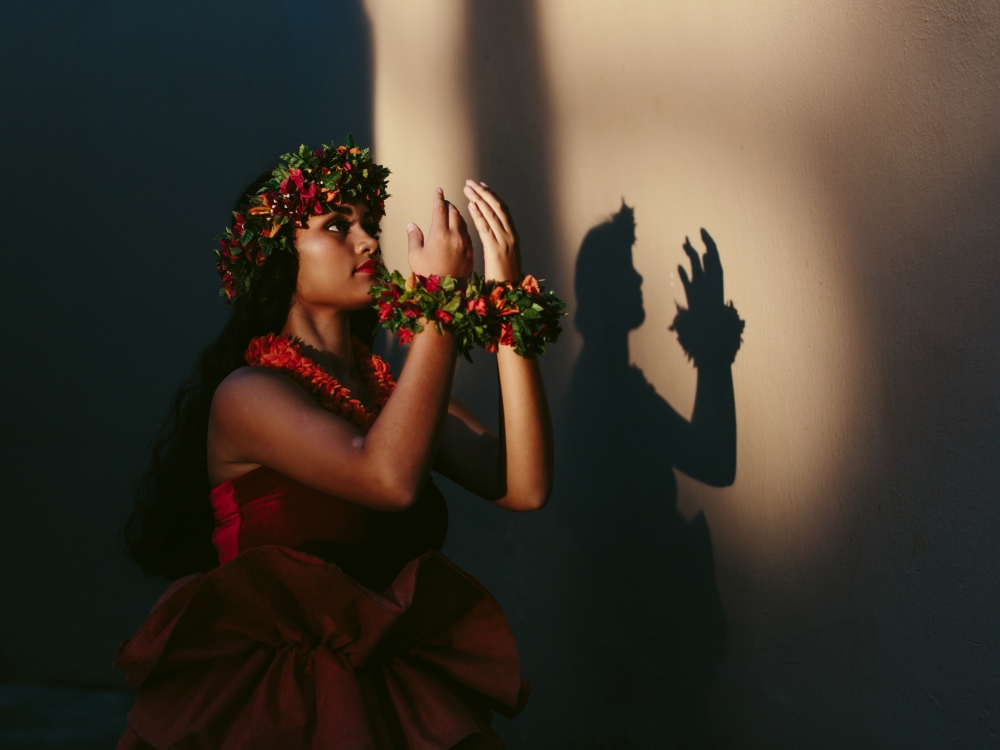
<point>265,507</point>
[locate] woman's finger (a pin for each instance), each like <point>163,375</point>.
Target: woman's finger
<point>439,211</point>
<point>466,238</point>
<point>414,237</point>
<point>494,203</point>
<point>455,220</point>
<point>494,221</point>
<point>482,226</point>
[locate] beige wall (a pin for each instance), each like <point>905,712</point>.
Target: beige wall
<point>846,158</point>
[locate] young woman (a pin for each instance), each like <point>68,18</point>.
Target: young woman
<point>291,502</point>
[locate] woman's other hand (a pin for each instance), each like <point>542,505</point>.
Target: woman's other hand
<point>447,251</point>
<point>501,245</point>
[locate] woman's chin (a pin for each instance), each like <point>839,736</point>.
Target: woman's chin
<point>348,303</point>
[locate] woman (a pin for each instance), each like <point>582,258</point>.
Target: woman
<point>311,608</point>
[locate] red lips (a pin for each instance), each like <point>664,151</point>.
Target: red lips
<point>368,266</point>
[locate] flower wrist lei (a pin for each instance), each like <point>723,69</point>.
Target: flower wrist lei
<point>480,313</point>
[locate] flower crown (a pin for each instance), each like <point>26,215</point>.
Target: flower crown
<point>306,183</point>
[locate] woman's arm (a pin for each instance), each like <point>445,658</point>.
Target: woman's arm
<point>262,417</point>
<point>514,469</point>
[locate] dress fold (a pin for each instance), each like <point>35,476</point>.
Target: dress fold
<point>281,649</point>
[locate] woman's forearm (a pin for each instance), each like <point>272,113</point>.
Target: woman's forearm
<point>402,443</point>
<point>526,447</point>
<point>525,462</point>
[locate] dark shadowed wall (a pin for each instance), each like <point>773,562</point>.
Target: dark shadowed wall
<point>128,130</point>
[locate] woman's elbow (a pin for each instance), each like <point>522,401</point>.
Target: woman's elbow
<point>396,494</point>
<point>527,500</point>
<point>537,502</point>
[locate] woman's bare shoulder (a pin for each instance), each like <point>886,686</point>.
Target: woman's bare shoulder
<point>254,389</point>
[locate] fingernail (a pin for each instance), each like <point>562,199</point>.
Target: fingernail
<point>484,184</point>
<point>440,191</point>
<point>410,227</point>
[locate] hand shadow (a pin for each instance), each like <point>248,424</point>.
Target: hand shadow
<point>634,625</point>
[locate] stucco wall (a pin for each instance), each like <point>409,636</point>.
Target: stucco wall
<point>846,158</point>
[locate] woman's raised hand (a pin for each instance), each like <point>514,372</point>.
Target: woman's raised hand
<point>501,245</point>
<point>447,251</point>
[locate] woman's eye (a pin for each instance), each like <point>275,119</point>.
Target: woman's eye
<point>373,229</point>
<point>338,226</point>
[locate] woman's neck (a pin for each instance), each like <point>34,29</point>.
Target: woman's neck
<point>326,335</point>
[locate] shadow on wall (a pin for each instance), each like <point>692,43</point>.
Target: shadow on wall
<point>509,105</point>
<point>631,624</point>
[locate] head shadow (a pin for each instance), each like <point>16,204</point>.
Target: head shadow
<point>608,288</point>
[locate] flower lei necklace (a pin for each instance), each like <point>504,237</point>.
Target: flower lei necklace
<point>281,353</point>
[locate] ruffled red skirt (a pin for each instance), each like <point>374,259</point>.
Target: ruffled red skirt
<point>279,649</point>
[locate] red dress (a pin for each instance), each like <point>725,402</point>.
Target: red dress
<point>327,625</point>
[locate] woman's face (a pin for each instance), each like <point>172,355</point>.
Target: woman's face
<point>338,253</point>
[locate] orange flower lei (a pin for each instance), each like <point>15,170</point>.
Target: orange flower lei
<point>281,353</point>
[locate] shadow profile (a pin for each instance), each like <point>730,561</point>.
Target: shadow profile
<point>636,624</point>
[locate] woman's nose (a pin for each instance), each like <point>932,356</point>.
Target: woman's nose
<point>368,245</point>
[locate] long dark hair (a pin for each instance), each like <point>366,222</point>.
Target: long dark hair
<point>170,531</point>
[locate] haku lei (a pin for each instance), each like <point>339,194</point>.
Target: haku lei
<point>480,313</point>
<point>307,182</point>
<point>281,353</point>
